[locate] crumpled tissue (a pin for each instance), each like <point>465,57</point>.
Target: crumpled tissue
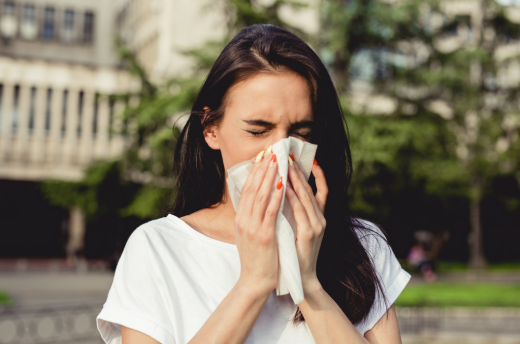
<point>289,278</point>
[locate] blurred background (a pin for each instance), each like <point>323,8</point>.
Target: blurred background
<point>93,93</point>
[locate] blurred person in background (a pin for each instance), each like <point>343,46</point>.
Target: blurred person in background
<point>417,258</point>
<point>207,273</point>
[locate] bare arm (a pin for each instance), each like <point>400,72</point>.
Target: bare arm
<point>234,318</point>
<point>231,322</point>
<point>328,323</point>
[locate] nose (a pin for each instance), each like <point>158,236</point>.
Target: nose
<point>278,135</point>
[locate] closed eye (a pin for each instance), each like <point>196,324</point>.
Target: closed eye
<point>257,132</point>
<point>306,136</point>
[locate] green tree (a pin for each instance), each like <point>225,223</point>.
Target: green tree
<point>447,75</point>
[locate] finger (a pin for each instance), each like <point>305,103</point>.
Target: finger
<point>252,184</point>
<point>271,214</point>
<point>307,187</point>
<point>322,189</point>
<point>247,185</point>
<point>254,168</point>
<point>300,214</point>
<point>303,190</point>
<point>264,193</point>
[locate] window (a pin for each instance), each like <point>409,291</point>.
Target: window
<point>8,24</point>
<point>48,23</point>
<point>88,27</point>
<point>68,26</point>
<point>29,13</point>
<point>8,8</point>
<point>29,29</point>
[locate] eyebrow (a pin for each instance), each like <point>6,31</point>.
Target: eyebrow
<point>261,122</point>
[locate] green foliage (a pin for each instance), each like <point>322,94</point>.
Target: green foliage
<point>103,190</point>
<point>5,300</point>
<point>443,294</point>
<point>465,78</point>
<point>455,123</point>
<point>245,13</point>
<point>442,267</point>
<point>146,203</point>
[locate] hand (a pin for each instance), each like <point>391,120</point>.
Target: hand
<point>255,224</point>
<point>309,210</point>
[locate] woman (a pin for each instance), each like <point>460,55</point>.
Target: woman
<point>207,273</point>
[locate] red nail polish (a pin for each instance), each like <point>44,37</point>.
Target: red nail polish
<point>279,184</point>
<point>273,158</point>
<point>315,162</point>
<point>292,156</point>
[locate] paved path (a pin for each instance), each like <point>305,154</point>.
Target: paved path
<point>508,277</point>
<point>48,288</point>
<point>459,338</point>
<point>55,307</point>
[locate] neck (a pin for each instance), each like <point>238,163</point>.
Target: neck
<point>222,215</point>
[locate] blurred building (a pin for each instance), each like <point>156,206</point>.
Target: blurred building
<point>57,61</point>
<point>55,57</point>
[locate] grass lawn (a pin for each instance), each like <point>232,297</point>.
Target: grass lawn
<point>445,294</point>
<point>447,267</point>
<point>456,266</point>
<point>5,300</point>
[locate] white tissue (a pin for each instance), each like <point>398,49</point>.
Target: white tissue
<point>289,278</point>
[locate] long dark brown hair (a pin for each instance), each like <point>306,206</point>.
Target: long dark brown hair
<point>344,268</point>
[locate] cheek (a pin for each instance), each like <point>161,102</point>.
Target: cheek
<point>236,147</point>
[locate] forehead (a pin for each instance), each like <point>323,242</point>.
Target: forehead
<point>271,96</point>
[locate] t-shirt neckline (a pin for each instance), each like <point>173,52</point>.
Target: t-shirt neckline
<point>201,236</point>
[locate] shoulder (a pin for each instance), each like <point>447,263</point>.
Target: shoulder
<point>379,250</point>
<point>163,230</point>
<point>136,298</point>
<point>370,235</point>
<point>392,277</point>
<point>149,229</point>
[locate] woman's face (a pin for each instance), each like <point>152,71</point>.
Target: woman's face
<point>262,110</point>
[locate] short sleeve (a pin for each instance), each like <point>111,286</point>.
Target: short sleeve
<point>392,276</point>
<point>134,299</point>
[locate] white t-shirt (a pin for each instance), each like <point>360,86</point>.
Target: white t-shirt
<point>170,279</point>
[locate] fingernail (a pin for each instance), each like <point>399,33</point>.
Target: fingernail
<point>279,184</point>
<point>292,156</point>
<point>269,149</point>
<point>315,162</point>
<point>290,162</point>
<point>259,157</point>
<point>272,160</point>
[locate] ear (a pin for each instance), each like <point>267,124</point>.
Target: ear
<point>210,133</point>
